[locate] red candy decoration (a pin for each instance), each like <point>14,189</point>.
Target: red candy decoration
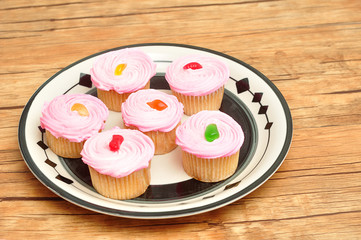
<point>157,105</point>
<point>192,65</point>
<point>115,143</point>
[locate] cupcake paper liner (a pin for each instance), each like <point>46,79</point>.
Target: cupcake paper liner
<point>194,104</point>
<point>114,100</point>
<point>63,147</point>
<point>209,170</point>
<point>164,142</point>
<point>123,188</point>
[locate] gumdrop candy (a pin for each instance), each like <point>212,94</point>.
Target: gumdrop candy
<point>119,69</point>
<point>192,65</point>
<point>211,133</point>
<point>157,105</point>
<point>115,143</point>
<point>81,109</point>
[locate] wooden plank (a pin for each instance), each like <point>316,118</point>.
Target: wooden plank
<point>280,211</point>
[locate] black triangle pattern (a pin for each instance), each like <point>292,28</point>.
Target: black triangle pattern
<point>42,130</point>
<point>268,125</point>
<point>263,109</point>
<point>242,85</point>
<point>257,97</point>
<point>64,179</point>
<point>208,197</point>
<point>48,161</point>
<point>85,80</point>
<point>42,145</point>
<point>232,185</point>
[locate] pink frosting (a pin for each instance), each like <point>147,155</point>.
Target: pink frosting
<point>140,68</point>
<point>60,121</point>
<point>138,113</point>
<point>134,153</point>
<point>190,135</point>
<point>198,82</point>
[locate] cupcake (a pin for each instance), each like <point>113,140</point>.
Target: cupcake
<point>156,114</point>
<point>117,74</point>
<point>210,142</point>
<point>119,162</point>
<point>71,119</point>
<point>198,82</point>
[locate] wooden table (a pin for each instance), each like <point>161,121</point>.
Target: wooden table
<point>309,49</point>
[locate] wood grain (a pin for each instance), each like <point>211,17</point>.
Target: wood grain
<point>309,49</point>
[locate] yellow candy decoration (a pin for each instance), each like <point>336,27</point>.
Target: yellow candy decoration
<point>119,69</point>
<point>81,109</point>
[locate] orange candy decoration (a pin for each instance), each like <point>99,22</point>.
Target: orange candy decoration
<point>119,69</point>
<point>81,109</point>
<point>157,105</point>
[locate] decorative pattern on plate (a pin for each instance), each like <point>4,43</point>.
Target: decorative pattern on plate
<point>243,86</point>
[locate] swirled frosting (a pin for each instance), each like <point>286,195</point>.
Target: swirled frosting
<point>58,118</point>
<point>139,69</point>
<point>190,135</point>
<point>197,82</point>
<point>136,111</point>
<point>134,153</point>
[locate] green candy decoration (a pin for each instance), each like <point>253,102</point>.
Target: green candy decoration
<point>211,132</point>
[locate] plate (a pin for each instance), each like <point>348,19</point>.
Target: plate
<point>250,98</point>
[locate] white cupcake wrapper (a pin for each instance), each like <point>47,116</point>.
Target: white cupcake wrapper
<point>164,142</point>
